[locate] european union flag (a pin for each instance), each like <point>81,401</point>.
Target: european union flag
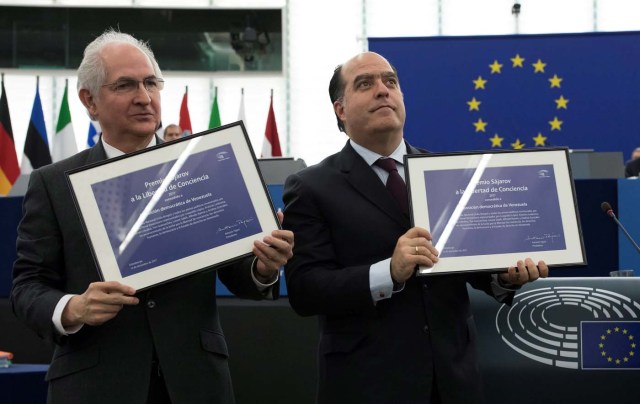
<point>519,91</point>
<point>610,344</point>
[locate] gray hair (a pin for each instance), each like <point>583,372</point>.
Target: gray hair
<point>92,73</point>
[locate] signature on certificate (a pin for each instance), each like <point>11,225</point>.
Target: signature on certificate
<point>238,223</point>
<point>544,237</point>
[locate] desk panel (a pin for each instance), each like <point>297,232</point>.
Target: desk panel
<point>629,216</point>
<point>10,215</point>
<point>532,352</point>
<point>23,384</point>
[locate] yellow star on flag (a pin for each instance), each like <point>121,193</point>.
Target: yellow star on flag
<point>561,102</point>
<point>539,139</point>
<point>480,125</point>
<point>474,105</point>
<point>555,81</point>
<point>517,145</point>
<point>555,125</point>
<point>495,67</point>
<point>538,67</point>
<point>479,83</point>
<point>496,141</point>
<point>517,61</point>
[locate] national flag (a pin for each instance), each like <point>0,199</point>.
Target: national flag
<point>515,91</point>
<point>94,133</point>
<point>36,146</point>
<point>64,141</point>
<point>185,119</point>
<point>9,168</point>
<point>271,143</point>
<point>610,344</point>
<point>214,119</point>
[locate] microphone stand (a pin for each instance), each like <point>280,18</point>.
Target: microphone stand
<point>626,233</point>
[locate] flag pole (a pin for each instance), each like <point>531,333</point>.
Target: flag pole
<point>515,10</point>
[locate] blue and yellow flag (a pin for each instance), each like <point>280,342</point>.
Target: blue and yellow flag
<point>519,91</point>
<point>610,344</point>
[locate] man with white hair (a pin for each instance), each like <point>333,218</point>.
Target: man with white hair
<point>113,344</point>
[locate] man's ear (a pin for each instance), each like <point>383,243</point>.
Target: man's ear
<point>338,108</point>
<point>89,103</point>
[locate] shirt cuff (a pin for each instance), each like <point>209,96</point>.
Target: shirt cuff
<point>501,289</point>
<point>380,281</point>
<point>57,317</point>
<point>261,286</point>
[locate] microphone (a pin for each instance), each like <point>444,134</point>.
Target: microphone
<point>606,208</point>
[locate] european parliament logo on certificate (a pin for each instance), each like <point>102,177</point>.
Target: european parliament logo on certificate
<point>486,210</point>
<point>174,209</point>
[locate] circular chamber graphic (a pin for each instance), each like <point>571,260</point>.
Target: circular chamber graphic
<point>551,325</point>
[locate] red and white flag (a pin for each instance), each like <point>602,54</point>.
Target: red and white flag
<point>271,143</point>
<point>185,119</point>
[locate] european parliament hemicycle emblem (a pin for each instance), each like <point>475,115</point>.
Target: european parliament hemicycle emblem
<point>573,327</point>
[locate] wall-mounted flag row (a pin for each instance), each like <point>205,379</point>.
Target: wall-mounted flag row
<point>38,153</point>
<point>271,142</point>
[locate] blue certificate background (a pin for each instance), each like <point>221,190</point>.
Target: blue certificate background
<point>207,208</point>
<point>492,222</point>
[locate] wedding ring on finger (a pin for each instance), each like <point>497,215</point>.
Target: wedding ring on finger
<point>417,250</point>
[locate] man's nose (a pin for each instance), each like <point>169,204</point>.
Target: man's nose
<point>142,94</point>
<point>381,89</point>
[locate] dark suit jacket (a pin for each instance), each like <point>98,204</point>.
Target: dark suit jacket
<point>111,363</point>
<point>632,169</point>
<point>345,220</point>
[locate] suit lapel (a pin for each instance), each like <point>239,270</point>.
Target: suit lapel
<point>365,181</point>
<point>97,153</point>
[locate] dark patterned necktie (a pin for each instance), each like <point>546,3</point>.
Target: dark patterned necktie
<point>395,183</point>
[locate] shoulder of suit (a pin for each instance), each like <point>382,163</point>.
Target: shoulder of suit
<point>75,161</point>
<point>327,164</point>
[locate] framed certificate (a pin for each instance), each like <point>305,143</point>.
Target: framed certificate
<point>174,209</point>
<point>487,210</point>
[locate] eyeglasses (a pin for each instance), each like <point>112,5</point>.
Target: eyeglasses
<point>122,86</point>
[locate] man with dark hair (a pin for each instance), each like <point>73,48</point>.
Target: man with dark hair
<point>386,335</point>
<point>171,132</point>
<point>632,166</point>
<point>632,169</point>
<point>113,344</point>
